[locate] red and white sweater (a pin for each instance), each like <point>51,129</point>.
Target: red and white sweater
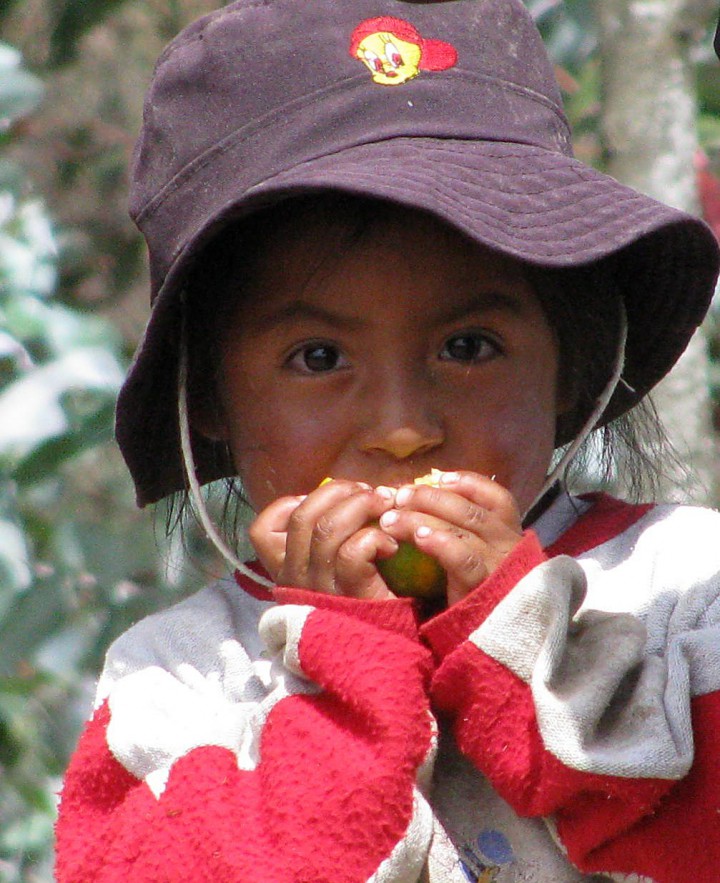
<point>561,723</point>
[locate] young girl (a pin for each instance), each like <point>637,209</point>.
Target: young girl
<point>374,256</point>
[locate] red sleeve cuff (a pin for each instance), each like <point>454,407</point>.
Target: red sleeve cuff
<point>395,615</point>
<point>449,629</point>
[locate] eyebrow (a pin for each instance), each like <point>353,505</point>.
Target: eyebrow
<point>302,310</point>
<point>492,300</point>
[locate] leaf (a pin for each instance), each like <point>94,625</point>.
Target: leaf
<point>33,617</point>
<point>20,91</point>
<point>15,572</point>
<point>15,569</point>
<point>12,180</point>
<point>709,132</point>
<point>34,418</point>
<point>32,831</point>
<point>56,330</point>
<point>568,28</point>
<point>27,248</point>
<point>708,86</point>
<point>9,746</point>
<point>73,19</point>
<point>543,10</point>
<point>6,7</point>
<point>11,350</point>
<point>47,458</point>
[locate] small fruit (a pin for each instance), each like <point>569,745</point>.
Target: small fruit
<point>410,572</point>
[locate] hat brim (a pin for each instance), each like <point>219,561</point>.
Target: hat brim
<point>533,204</point>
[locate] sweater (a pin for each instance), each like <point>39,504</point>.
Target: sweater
<point>559,724</point>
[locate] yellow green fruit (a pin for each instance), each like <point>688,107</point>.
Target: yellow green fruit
<point>410,572</point>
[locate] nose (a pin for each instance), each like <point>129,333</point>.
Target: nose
<point>401,420</point>
<point>404,442</point>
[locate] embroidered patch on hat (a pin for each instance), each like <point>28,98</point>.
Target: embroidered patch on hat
<point>395,52</point>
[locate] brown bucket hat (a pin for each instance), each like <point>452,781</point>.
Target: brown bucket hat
<point>447,107</point>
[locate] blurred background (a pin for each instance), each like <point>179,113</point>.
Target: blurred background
<point>78,562</point>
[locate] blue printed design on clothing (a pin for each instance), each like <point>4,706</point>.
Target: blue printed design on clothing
<point>483,860</point>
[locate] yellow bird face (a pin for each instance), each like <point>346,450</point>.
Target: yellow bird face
<point>390,60</point>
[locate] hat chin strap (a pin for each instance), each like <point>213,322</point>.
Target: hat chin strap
<point>211,531</point>
<point>189,468</point>
<point>558,472</point>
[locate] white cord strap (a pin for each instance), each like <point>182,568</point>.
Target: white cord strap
<point>189,466</point>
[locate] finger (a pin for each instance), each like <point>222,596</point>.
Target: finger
<point>466,559</point>
<point>333,529</point>
<point>485,491</point>
<point>356,573</point>
<point>302,524</point>
<point>487,514</point>
<point>268,532</point>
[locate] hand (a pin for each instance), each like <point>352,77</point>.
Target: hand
<point>469,524</point>
<point>327,541</point>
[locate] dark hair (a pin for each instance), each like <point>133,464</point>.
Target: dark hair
<point>582,305</point>
<point>632,454</point>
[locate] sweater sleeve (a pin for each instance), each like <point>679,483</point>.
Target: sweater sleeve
<point>604,722</point>
<point>204,762</point>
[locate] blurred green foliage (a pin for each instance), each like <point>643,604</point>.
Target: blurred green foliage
<point>78,562</point>
<point>71,20</point>
<point>59,372</point>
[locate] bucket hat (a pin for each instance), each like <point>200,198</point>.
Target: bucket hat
<point>447,107</point>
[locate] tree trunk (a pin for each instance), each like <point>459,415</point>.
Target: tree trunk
<point>649,128</point>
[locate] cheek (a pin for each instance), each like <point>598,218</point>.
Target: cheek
<point>532,438</point>
<point>520,437</point>
<point>522,460</point>
<point>280,450</point>
<point>513,429</point>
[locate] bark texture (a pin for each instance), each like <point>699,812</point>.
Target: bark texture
<point>650,137</point>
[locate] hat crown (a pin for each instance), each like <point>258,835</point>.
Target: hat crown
<point>253,63</point>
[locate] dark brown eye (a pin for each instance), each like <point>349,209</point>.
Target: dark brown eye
<point>468,347</point>
<point>316,358</point>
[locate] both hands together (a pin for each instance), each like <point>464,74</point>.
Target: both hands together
<point>332,539</point>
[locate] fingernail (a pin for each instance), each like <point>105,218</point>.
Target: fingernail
<point>365,486</point>
<point>423,531</point>
<point>449,477</point>
<point>403,495</point>
<point>388,518</point>
<point>387,493</point>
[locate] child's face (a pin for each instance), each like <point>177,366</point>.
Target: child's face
<point>375,362</point>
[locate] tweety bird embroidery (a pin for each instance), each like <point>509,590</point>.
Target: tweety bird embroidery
<point>394,51</point>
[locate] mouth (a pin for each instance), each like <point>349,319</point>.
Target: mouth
<point>397,481</point>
